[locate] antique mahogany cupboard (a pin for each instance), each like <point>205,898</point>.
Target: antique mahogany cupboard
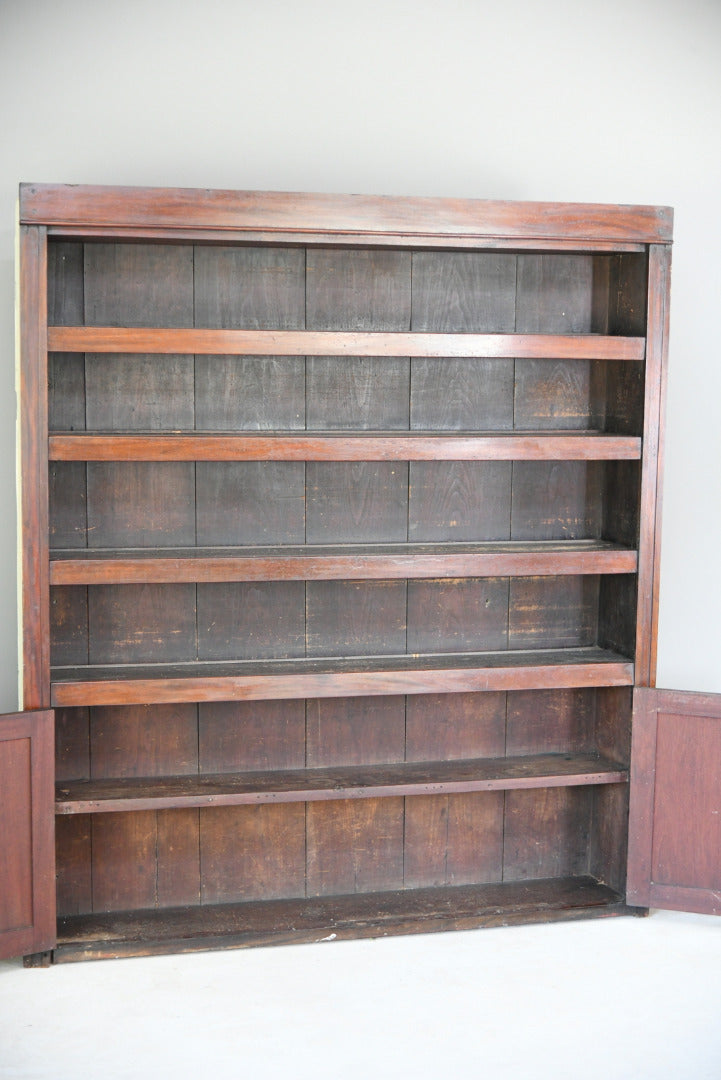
<point>339,569</point>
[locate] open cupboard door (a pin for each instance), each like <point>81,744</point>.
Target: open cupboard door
<point>674,856</point>
<point>27,855</point>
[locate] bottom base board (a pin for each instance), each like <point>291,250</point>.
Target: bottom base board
<point>335,918</point>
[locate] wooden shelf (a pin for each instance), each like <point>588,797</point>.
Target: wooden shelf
<point>299,678</point>
<point>98,566</point>
<point>331,918</point>
<point>111,339</point>
<point>369,446</point>
<point>348,782</point>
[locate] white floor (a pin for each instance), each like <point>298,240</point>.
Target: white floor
<point>614,998</point>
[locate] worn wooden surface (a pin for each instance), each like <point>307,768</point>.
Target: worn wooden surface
<point>345,532</point>
<point>349,782</point>
<point>358,915</point>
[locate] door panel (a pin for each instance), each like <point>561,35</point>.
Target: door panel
<point>27,855</point>
<point>675,811</point>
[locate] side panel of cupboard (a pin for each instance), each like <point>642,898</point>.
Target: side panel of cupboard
<point>343,552</point>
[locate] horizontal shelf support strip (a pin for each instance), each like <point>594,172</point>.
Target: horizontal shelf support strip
<point>109,339</point>
<point>139,570</point>
<point>311,447</point>
<point>138,691</point>
<point>320,785</point>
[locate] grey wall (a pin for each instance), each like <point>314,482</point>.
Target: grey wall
<point>613,101</point>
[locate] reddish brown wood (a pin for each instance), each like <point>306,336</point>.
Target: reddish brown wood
<point>349,782</point>
<point>652,464</point>
<point>370,447</point>
<point>325,452</point>
<point>109,339</point>
<point>398,675</point>
<point>96,567</point>
<point>179,208</point>
<point>27,868</point>
<point>33,464</point>
<point>675,812</point>
<point>330,239</point>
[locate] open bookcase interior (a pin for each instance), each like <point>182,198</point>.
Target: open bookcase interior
<point>347,578</point>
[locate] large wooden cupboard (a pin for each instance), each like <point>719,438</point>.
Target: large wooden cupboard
<point>340,555</point>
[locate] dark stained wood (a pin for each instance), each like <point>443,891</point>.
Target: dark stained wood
<point>358,289</point>
<point>129,623</point>
<point>138,285</point>
<point>178,857</point>
<point>552,613</point>
<point>617,613</point>
<point>173,208</point>
<point>554,294</point>
<point>355,618</point>
<point>238,736</point>
<point>66,295</point>
<point>369,447</point>
<point>562,395</point>
<point>556,500</point>
<point>252,852</point>
<point>74,876</point>
<point>545,721</point>
<point>464,291</point>
<point>72,744</point>
<point>675,761</point>
<point>348,502</point>
<point>251,621</point>
<point>609,835</point>
<point>546,832</point>
<point>109,339</point>
<point>363,915</point>
<point>252,288</point>
<point>453,840</point>
<point>250,502</point>
<point>66,392</point>
<point>444,727</point>
<point>355,731</point>
<point>66,373</point>
<point>27,867</point>
<point>475,394</point>
<point>249,393</point>
<point>340,678</point>
<point>138,393</point>
<point>354,846</point>
<point>67,498</point>
<point>69,624</point>
<point>622,486</point>
<point>457,616</point>
<point>143,740</point>
<point>455,501</point>
<point>337,782</point>
<point>372,561</point>
<point>140,503</point>
<point>357,393</point>
<point>130,841</point>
